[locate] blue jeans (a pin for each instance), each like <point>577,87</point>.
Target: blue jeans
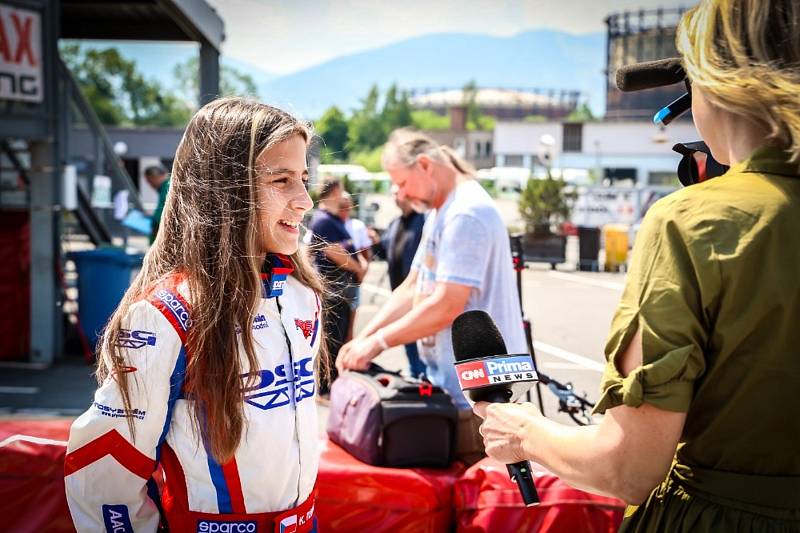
<point>415,364</point>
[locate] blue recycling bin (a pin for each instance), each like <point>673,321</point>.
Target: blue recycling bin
<point>104,275</point>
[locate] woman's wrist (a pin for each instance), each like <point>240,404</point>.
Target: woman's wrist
<point>529,437</point>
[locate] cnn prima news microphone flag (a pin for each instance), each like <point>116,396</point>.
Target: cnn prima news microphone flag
<point>486,373</point>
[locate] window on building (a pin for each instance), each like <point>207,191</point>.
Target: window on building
<point>663,178</point>
<point>488,150</point>
<point>460,146</point>
<point>514,160</point>
<point>477,149</point>
<point>619,176</point>
<point>573,137</point>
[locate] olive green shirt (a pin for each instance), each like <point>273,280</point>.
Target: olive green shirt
<point>714,287</point>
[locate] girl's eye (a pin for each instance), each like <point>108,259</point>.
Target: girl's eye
<point>281,181</point>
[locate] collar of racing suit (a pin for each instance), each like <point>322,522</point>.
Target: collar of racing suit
<point>274,271</point>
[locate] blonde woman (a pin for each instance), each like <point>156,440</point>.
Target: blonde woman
<point>700,392</point>
<point>207,368</point>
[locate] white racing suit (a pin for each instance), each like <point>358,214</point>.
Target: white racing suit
<point>269,483</point>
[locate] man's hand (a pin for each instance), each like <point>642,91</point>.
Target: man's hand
<point>506,428</point>
<point>357,354</point>
<point>373,235</point>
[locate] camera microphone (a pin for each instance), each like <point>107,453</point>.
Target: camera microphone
<point>486,373</point>
<point>650,74</point>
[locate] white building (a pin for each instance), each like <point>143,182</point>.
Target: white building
<point>637,153</point>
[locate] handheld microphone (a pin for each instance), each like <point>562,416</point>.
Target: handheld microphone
<point>487,374</point>
<point>650,74</point>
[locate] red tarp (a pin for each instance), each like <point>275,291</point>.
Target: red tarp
<point>354,496</point>
<point>486,500</point>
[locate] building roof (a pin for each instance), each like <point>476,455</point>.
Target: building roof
<point>143,20</point>
<point>492,98</point>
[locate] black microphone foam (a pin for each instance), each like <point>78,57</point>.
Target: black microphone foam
<point>476,335</point>
<point>650,74</point>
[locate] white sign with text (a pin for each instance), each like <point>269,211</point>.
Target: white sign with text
<point>21,59</point>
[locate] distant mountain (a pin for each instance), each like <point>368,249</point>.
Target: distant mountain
<point>538,58</point>
<point>260,77</point>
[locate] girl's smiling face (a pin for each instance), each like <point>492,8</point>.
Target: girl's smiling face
<point>283,197</point>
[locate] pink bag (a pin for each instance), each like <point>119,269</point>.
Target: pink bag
<point>386,419</point>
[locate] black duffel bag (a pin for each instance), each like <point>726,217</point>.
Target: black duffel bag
<point>385,419</point>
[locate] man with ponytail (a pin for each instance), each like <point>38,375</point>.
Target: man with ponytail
<point>700,392</point>
<point>463,262</point>
<point>207,368</point>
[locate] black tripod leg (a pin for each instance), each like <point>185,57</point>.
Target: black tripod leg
<point>529,339</point>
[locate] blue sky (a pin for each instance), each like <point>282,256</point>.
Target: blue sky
<point>284,36</point>
<point>279,37</point>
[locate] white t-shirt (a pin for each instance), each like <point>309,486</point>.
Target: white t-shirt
<point>358,232</point>
<point>466,242</point>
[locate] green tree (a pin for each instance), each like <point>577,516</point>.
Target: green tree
<point>367,130</point>
<point>396,111</point>
<point>543,202</point>
<point>369,159</point>
<point>582,114</point>
<point>232,81</point>
<point>470,97</point>
<point>428,120</point>
<point>118,93</point>
<point>484,123</point>
<point>332,127</point>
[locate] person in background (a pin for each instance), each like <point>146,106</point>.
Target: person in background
<point>338,263</point>
<point>397,246</point>
<point>700,389</point>
<point>207,368</point>
<point>158,179</point>
<point>463,262</point>
<point>362,244</point>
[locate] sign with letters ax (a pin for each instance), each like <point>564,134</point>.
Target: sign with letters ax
<point>21,62</point>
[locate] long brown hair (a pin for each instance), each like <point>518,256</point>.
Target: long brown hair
<point>209,236</point>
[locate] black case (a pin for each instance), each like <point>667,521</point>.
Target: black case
<point>386,419</point>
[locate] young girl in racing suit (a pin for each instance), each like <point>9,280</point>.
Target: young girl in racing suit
<point>207,367</point>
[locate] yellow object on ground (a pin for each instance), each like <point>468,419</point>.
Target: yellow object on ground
<point>616,239</point>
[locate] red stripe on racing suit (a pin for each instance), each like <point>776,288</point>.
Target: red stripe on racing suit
<point>278,463</point>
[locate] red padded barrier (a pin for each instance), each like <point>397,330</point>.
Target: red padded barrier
<point>487,501</point>
<point>32,476</point>
<point>15,285</point>
<point>354,496</point>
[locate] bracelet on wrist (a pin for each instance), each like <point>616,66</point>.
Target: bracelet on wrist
<point>381,340</point>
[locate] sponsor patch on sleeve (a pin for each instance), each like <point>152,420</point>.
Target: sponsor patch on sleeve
<point>135,339</point>
<point>114,412</point>
<point>116,519</point>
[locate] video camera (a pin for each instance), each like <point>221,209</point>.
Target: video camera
<point>697,164</point>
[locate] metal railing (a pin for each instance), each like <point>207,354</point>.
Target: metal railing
<point>104,160</point>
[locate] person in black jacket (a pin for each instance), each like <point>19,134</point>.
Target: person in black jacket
<point>398,245</point>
